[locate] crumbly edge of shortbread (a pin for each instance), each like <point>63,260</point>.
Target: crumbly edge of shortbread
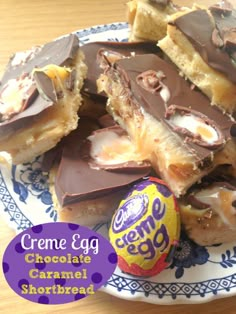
<point>147,22</point>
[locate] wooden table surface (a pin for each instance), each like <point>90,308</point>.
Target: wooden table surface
<point>26,23</point>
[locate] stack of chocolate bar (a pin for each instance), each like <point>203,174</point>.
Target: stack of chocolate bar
<point>108,114</point>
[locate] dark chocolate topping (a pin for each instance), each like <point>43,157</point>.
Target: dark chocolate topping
<point>151,81</point>
<point>77,181</point>
<point>45,86</point>
<point>190,136</point>
<point>227,185</point>
<point>216,39</point>
<point>233,130</point>
<point>127,70</point>
<point>193,201</point>
<point>122,48</point>
<point>57,52</point>
<point>70,81</point>
<point>163,3</point>
<point>198,27</point>
<point>30,96</point>
<point>222,173</point>
<point>226,27</point>
<point>24,118</point>
<point>106,121</point>
<point>208,183</point>
<point>53,156</point>
<point>222,8</point>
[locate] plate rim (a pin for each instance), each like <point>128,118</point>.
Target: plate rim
<point>108,288</point>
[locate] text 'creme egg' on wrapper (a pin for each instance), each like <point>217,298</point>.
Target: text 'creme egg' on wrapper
<point>145,229</point>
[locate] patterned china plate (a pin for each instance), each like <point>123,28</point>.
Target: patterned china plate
<point>197,274</point>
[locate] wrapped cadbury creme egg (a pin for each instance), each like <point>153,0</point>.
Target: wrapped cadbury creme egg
<point>145,229</point>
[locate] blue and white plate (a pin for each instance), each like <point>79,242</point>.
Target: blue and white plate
<point>197,274</point>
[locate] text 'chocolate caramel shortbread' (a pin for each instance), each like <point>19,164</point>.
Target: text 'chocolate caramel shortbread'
<point>202,43</point>
<point>40,97</point>
<point>172,125</point>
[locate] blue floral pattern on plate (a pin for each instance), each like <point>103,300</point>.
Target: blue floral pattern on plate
<point>197,274</point>
<point>188,254</point>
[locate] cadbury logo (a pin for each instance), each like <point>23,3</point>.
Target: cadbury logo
<point>130,212</point>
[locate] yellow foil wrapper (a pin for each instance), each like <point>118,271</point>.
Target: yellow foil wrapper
<point>145,228</point>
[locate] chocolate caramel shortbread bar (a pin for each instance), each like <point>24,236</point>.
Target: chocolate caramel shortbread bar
<point>172,124</point>
<point>40,98</point>
<point>202,43</point>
